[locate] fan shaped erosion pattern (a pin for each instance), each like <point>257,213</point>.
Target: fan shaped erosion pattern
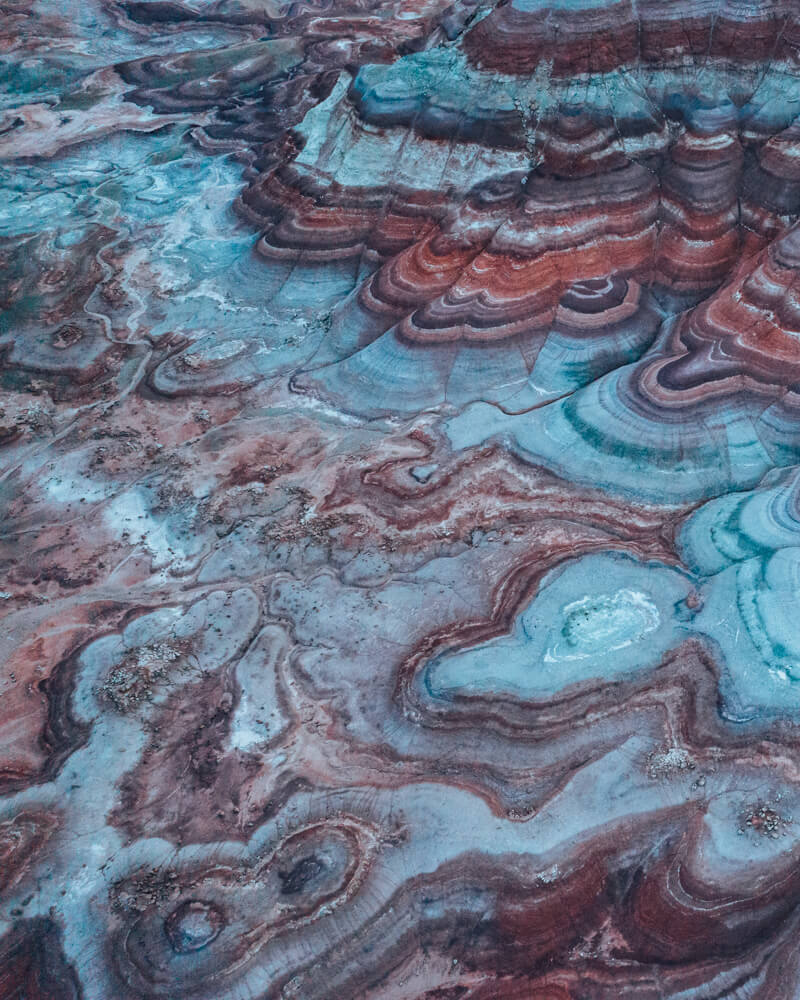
<point>400,484</point>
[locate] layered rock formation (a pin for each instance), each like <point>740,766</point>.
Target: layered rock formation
<point>399,448</point>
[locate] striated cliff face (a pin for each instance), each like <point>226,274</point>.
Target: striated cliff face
<point>400,486</point>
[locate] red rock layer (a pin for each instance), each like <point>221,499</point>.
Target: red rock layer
<point>518,37</point>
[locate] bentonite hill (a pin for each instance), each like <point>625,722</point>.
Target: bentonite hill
<point>399,500</point>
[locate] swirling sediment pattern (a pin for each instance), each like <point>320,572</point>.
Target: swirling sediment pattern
<point>400,485</point>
